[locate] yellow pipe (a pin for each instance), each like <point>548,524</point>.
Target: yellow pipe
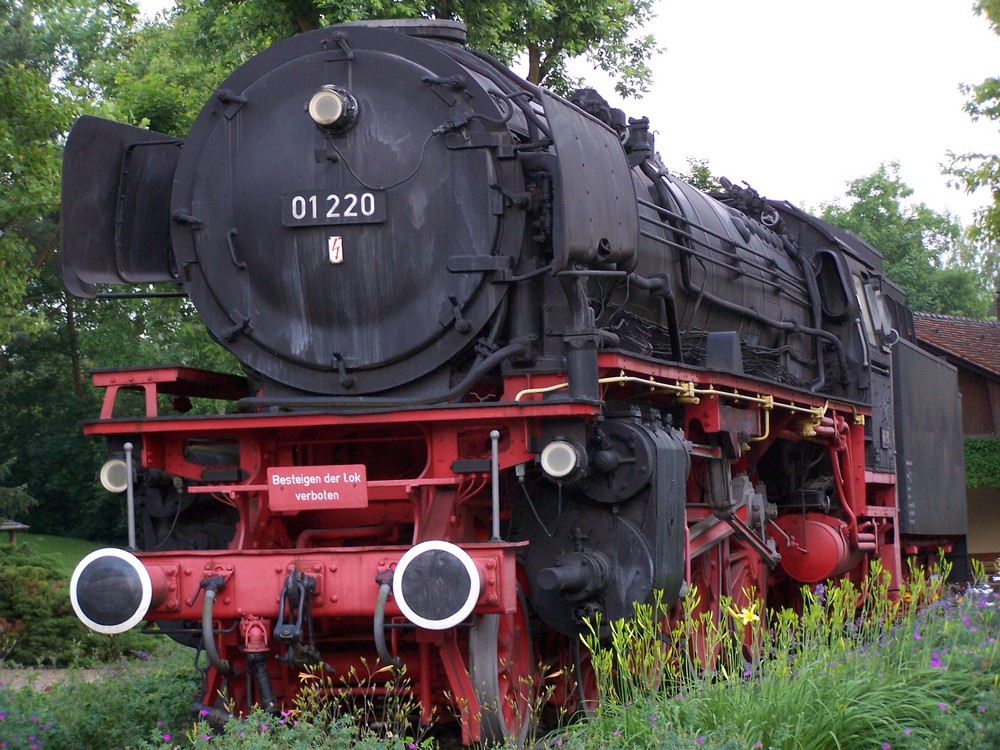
<point>688,390</point>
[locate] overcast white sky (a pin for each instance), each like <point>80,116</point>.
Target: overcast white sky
<point>797,97</point>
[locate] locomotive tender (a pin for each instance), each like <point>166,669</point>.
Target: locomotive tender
<point>504,373</point>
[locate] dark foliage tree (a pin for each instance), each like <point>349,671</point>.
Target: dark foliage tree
<point>923,250</point>
<point>47,49</point>
<point>700,175</point>
<point>982,170</point>
<point>58,60</point>
<point>546,34</point>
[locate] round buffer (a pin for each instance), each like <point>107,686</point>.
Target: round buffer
<point>110,591</point>
<point>436,585</point>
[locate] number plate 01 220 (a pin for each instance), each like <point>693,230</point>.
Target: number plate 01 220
<point>310,208</point>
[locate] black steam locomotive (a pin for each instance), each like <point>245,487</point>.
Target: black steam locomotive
<point>504,372</point>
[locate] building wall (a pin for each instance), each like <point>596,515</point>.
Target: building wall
<point>980,399</point>
<point>980,404</point>
<point>984,523</point>
<point>980,419</point>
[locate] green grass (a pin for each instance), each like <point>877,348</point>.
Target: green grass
<point>67,550</point>
<point>919,673</point>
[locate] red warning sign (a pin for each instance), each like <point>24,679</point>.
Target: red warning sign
<point>293,489</point>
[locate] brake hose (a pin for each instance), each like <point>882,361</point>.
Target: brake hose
<point>208,632</point>
<point>379,627</point>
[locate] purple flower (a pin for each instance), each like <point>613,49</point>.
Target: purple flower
<point>886,746</point>
<point>907,731</point>
<point>699,740</point>
<point>943,706</point>
<point>616,733</point>
<point>203,712</point>
<point>166,737</point>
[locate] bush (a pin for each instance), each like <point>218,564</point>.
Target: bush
<point>319,720</point>
<point>289,731</point>
<point>37,623</point>
<point>117,711</point>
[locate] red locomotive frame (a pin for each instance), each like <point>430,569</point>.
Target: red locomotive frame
<point>348,550</point>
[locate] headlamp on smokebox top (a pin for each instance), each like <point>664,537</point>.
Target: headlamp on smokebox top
<point>333,108</point>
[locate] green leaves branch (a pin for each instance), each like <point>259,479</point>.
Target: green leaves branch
<point>974,171</point>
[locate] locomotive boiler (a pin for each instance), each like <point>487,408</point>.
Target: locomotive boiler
<point>504,374</point>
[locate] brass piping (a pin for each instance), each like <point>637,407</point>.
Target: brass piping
<point>688,390</point>
<point>766,408</point>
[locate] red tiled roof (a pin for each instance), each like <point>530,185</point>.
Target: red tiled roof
<point>975,341</point>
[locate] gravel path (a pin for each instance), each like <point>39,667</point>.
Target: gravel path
<point>41,679</point>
